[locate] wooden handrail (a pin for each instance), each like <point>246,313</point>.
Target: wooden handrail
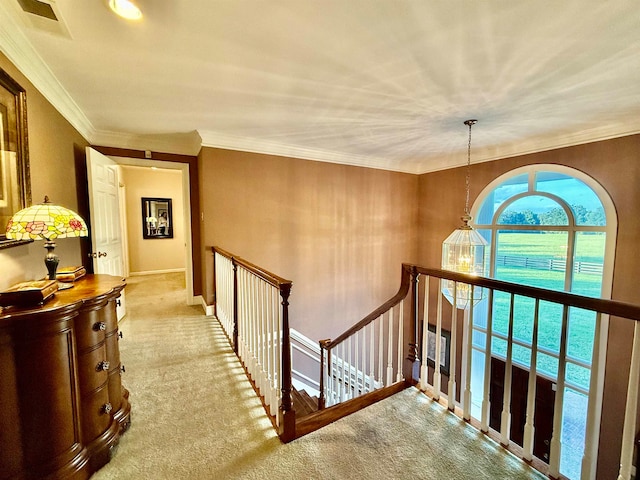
<point>610,307</point>
<point>287,426</point>
<point>265,275</point>
<point>396,299</point>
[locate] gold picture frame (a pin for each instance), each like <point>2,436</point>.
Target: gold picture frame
<point>15,175</point>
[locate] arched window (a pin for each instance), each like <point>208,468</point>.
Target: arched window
<point>552,227</point>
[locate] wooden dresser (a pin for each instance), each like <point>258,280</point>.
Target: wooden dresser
<point>62,404</point>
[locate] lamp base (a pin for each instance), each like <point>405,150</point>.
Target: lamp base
<point>51,260</point>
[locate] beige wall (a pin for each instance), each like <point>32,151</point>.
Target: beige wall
<point>339,233</point>
<point>615,164</point>
<point>147,255</point>
<point>53,148</point>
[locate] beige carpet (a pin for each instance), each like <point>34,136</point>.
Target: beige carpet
<point>195,415</point>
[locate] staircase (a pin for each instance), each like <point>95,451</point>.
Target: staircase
<point>395,347</point>
<point>303,403</point>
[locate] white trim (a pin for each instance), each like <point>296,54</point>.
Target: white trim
<point>186,197</point>
<point>178,143</point>
<point>156,272</point>
<point>296,336</point>
<point>208,309</point>
<point>266,147</point>
<point>16,46</point>
<point>611,230</point>
<point>298,385</point>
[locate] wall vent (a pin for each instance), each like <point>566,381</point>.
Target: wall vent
<point>39,8</point>
<point>43,15</point>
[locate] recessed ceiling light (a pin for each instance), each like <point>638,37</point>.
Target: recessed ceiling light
<point>126,9</point>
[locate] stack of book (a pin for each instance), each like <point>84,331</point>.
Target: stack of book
<point>70,274</point>
<point>28,293</point>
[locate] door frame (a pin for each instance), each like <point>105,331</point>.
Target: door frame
<point>186,196</point>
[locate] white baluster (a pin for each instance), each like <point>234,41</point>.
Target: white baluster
<point>437,378</point>
<point>264,338</point>
<point>248,334</point>
<point>241,312</point>
<point>424,367</point>
<point>343,373</point>
<point>631,408</point>
<point>266,349</point>
<point>349,370</point>
<point>593,409</point>
<point>556,444</point>
<point>259,336</point>
<point>505,422</point>
<point>254,330</point>
<point>356,350</point>
<point>486,404</point>
<point>390,350</point>
<point>529,427</point>
<point>380,376</point>
<point>399,374</point>
<point>272,347</point>
<point>451,386</point>
<point>372,378</point>
<point>278,352</point>
<point>468,319</point>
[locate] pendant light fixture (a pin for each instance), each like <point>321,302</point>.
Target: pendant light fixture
<point>463,250</point>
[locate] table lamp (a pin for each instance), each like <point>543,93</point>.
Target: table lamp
<point>46,221</point>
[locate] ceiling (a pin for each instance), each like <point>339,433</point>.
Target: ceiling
<point>379,83</point>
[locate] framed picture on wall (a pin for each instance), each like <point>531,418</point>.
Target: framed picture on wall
<point>15,185</point>
<point>445,348</point>
<point>157,218</point>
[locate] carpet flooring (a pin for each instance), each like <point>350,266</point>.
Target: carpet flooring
<point>195,415</point>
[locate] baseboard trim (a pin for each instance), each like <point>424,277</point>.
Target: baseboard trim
<point>157,272</point>
<point>208,309</point>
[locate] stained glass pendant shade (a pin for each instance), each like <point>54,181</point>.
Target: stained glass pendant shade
<point>463,252</point>
<point>46,221</point>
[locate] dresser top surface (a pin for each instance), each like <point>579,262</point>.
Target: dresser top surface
<point>87,288</point>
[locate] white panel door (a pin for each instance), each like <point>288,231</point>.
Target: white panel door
<point>104,204</point>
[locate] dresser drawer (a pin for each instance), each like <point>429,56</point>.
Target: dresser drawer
<point>93,369</point>
<point>97,414</point>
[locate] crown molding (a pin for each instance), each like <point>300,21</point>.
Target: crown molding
<point>265,147</point>
<point>179,143</point>
<point>531,146</point>
<point>16,46</point>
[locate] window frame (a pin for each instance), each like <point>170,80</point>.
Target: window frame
<point>610,229</point>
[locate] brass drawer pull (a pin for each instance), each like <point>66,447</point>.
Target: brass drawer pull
<point>102,366</point>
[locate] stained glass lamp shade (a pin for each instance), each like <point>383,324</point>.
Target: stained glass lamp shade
<point>46,221</point>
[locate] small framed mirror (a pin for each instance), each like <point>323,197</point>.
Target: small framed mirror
<point>157,218</point>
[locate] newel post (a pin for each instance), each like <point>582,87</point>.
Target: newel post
<point>414,332</point>
<point>324,351</point>
<point>235,304</point>
<point>288,423</point>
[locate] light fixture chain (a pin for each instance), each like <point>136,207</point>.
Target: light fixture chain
<point>470,123</point>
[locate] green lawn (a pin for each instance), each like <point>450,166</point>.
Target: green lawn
<point>589,248</point>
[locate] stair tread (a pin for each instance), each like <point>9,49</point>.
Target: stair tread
<point>303,403</point>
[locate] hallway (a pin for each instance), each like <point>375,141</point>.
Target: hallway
<point>195,415</point>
